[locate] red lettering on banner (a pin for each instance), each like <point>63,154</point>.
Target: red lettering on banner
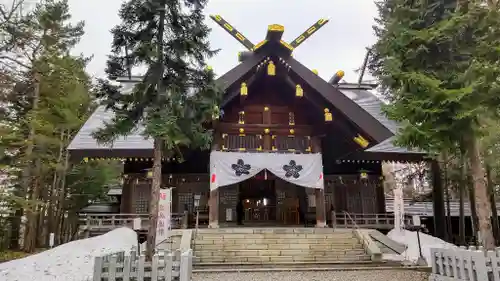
<point>163,195</point>
<point>213,178</point>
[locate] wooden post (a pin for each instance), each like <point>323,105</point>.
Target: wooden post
<point>213,209</point>
<point>320,207</point>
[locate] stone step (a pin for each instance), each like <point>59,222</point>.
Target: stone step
<point>279,259</point>
<point>298,266</point>
<point>319,252</point>
<point>275,230</point>
<point>274,236</point>
<point>276,239</point>
<point>269,246</point>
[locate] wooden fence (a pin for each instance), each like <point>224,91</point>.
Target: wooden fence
<point>473,264</point>
<point>165,266</point>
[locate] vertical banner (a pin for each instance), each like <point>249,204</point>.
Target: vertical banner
<point>399,211</point>
<point>164,215</point>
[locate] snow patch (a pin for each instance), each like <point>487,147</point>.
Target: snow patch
<point>409,239</point>
<point>73,261</point>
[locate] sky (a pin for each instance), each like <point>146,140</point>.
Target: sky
<point>339,45</point>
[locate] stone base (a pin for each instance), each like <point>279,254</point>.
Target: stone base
<point>321,224</point>
<point>213,224</point>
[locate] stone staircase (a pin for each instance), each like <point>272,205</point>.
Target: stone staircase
<point>276,246</point>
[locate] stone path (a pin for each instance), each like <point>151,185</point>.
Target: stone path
<point>375,275</point>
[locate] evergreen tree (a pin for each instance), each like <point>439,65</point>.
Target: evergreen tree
<point>46,96</point>
<point>438,65</point>
<point>176,96</point>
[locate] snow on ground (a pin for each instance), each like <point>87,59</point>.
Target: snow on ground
<point>72,261</point>
<point>409,239</point>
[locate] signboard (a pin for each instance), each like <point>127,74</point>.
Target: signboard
<point>51,239</point>
<point>229,214</point>
<point>164,215</point>
<point>137,223</point>
<point>416,220</point>
<point>398,208</point>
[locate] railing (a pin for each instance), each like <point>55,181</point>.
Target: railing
<point>462,264</point>
<point>112,221</point>
<point>126,266</point>
<point>368,244</point>
<point>353,220</point>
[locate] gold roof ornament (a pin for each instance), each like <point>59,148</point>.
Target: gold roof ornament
<point>328,115</point>
<point>271,68</point>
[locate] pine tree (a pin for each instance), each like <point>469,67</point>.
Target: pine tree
<point>176,96</point>
<point>438,65</point>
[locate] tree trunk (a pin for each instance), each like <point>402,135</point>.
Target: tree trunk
<point>462,187</point>
<point>438,201</point>
<point>493,205</point>
<point>158,146</point>
<point>29,231</point>
<point>55,190</point>
<point>62,195</point>
<point>153,206</point>
<point>481,195</point>
<point>447,197</point>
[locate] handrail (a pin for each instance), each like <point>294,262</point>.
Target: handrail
<point>352,220</point>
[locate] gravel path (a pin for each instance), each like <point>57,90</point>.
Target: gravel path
<point>375,275</point>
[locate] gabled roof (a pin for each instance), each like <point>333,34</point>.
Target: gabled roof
<point>355,102</point>
<point>135,145</point>
<point>348,107</point>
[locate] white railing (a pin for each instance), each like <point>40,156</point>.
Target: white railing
<point>112,221</point>
<point>353,220</point>
<point>128,266</point>
<point>473,264</point>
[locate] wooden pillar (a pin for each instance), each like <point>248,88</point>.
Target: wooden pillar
<point>380,195</point>
<point>320,207</point>
<point>213,209</point>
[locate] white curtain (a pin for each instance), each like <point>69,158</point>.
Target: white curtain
<point>228,168</point>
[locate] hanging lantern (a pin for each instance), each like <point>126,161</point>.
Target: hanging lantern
<point>266,130</point>
<point>291,118</point>
<point>271,69</point>
<point>328,115</point>
<point>241,117</point>
<point>149,174</point>
<point>266,108</point>
<point>298,91</point>
<point>244,89</point>
<point>363,174</point>
<point>242,131</point>
<point>292,131</point>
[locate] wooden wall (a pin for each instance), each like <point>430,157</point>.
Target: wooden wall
<point>348,194</point>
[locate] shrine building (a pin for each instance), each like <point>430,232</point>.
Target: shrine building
<point>290,148</point>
